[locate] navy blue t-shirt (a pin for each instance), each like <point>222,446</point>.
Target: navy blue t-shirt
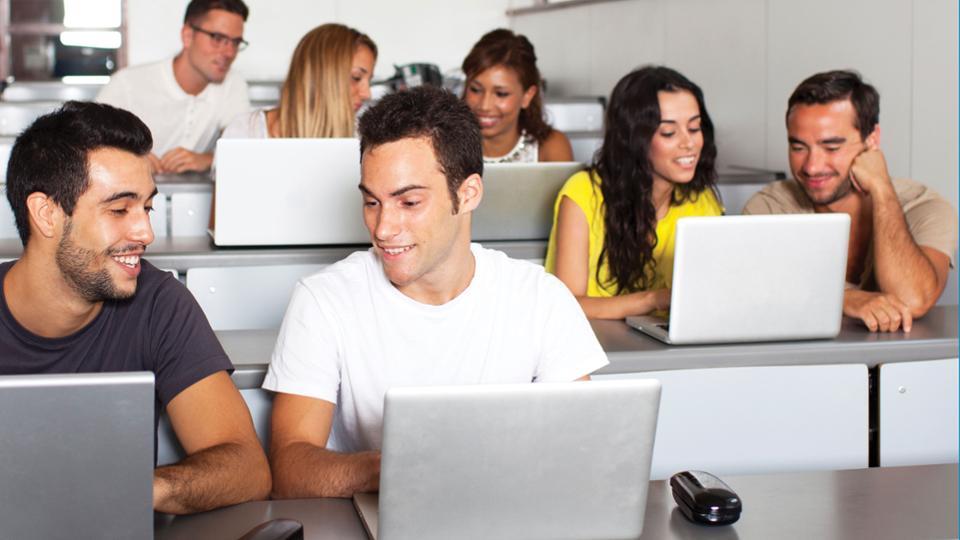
<point>160,329</point>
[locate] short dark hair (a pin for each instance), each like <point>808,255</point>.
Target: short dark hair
<point>435,114</point>
<point>50,156</point>
<point>838,85</point>
<point>198,9</point>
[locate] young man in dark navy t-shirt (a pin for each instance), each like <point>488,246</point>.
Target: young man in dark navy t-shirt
<point>81,299</point>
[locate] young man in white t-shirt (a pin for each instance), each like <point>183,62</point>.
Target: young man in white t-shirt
<point>423,306</point>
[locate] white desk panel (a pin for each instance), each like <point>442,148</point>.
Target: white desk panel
<point>585,115</point>
<point>158,218</point>
<point>8,225</point>
<point>918,413</point>
<point>246,297</point>
<point>189,214</point>
<point>755,420</point>
<point>6,145</point>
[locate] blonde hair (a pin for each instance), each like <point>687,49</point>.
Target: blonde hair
<point>315,98</point>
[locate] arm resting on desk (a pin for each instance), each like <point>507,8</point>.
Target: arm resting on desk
<point>301,464</point>
<point>624,305</point>
<point>572,268</point>
<point>225,464</point>
<point>915,274</point>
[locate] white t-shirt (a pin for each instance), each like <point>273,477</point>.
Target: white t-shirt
<point>176,118</point>
<point>349,335</point>
<point>247,125</point>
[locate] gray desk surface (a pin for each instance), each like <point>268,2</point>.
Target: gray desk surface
<point>193,182</point>
<point>183,253</point>
<point>870,504</point>
<point>202,182</point>
<point>933,337</point>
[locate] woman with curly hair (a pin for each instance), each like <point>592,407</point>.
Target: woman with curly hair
<point>614,224</point>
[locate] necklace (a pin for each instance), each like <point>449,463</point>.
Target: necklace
<point>513,153</point>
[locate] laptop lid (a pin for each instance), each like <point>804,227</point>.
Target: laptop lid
<point>758,278</point>
<point>76,455</point>
<point>551,460</point>
<point>518,200</point>
<point>288,192</point>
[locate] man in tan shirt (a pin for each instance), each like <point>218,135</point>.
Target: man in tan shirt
<point>902,233</point>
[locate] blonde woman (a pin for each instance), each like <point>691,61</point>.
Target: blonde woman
<point>328,81</point>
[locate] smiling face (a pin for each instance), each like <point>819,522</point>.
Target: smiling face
<point>420,240</point>
<point>676,144</point>
<point>361,69</point>
<point>496,97</point>
<point>99,251</point>
<point>206,58</point>
<point>824,141</point>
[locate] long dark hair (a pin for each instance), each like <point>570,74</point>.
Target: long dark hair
<point>501,47</point>
<point>626,176</point>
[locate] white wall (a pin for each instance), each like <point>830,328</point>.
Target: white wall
<point>748,55</point>
<point>421,30</point>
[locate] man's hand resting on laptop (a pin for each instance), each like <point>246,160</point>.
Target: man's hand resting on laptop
<point>879,311</point>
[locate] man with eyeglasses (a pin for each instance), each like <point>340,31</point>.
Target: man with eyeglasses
<point>188,101</point>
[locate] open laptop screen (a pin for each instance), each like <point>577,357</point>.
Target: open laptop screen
<point>76,455</point>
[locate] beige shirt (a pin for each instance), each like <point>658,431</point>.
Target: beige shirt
<point>931,219</point>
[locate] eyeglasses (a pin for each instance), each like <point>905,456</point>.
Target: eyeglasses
<point>221,40</point>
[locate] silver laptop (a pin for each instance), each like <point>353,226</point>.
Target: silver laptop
<point>755,278</point>
<point>551,460</point>
<point>76,455</point>
<point>518,200</point>
<point>288,192</point>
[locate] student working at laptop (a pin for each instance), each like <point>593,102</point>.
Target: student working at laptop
<point>423,306</point>
<point>327,83</point>
<point>614,225</point>
<point>902,233</point>
<point>81,299</point>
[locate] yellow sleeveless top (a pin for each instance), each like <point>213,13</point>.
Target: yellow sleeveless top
<point>586,194</point>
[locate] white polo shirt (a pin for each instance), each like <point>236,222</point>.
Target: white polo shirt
<point>176,118</point>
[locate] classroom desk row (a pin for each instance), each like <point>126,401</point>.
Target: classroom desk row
<point>188,196</point>
<point>183,207</point>
<point>866,504</point>
<point>935,336</point>
<point>859,400</point>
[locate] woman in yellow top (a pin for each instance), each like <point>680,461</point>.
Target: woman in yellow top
<point>614,224</point>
